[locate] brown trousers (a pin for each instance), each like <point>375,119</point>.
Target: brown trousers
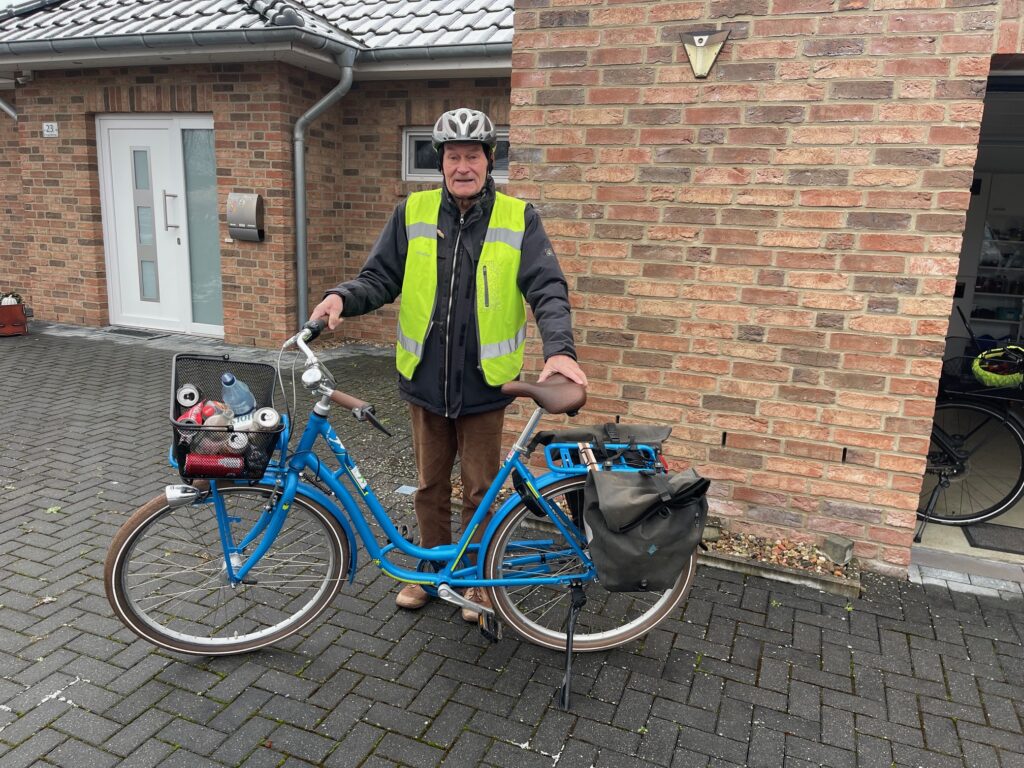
<point>476,439</point>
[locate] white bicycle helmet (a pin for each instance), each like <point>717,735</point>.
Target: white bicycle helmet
<point>464,124</point>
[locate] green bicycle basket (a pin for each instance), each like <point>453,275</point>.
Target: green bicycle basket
<point>1000,367</point>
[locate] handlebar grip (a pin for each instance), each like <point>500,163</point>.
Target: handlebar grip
<point>347,401</point>
<point>315,328</point>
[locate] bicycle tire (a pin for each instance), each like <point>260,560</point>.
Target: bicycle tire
<point>165,575</point>
<point>539,613</point>
<point>989,480</point>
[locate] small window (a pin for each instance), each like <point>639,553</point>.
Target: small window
<point>419,162</point>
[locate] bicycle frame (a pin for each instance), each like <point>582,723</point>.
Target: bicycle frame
<point>285,476</point>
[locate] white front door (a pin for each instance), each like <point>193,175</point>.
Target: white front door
<point>160,225</point>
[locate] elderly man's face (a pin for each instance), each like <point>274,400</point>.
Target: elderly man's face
<point>464,165</point>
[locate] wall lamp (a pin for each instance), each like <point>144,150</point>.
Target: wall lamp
<point>702,48</point>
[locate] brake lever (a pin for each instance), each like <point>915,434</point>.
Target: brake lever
<point>366,414</point>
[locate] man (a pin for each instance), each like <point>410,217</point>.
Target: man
<point>463,257</point>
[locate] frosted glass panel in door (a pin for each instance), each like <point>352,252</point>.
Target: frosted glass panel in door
<point>201,210</point>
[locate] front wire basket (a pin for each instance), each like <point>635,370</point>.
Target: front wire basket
<point>202,451</point>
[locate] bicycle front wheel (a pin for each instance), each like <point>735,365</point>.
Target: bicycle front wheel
<point>985,469</point>
<point>527,546</point>
<point>166,578</point>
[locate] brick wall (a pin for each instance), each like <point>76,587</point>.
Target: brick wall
<point>355,175</point>
<point>62,225</point>
<point>353,171</point>
<point>14,273</point>
<point>764,259</point>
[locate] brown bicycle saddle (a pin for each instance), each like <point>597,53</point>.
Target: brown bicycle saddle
<point>556,395</point>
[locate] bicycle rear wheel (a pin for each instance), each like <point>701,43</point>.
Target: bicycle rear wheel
<point>987,477</point>
<point>166,578</point>
<point>525,546</point>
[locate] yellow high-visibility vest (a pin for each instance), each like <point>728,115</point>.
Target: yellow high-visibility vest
<point>500,310</point>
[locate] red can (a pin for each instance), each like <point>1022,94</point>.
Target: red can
<point>193,415</point>
<point>202,465</point>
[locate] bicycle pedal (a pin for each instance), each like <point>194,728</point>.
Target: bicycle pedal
<point>490,627</point>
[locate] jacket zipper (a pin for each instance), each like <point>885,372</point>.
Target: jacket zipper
<point>448,324</point>
<point>487,292</point>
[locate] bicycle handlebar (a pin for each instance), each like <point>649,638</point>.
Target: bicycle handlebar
<point>361,410</point>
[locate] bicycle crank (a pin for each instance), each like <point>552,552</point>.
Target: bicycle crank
<point>449,595</point>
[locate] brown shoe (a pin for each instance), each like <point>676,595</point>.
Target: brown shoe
<point>411,597</point>
<point>477,595</point>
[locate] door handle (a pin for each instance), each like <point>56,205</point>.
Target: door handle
<point>167,224</point>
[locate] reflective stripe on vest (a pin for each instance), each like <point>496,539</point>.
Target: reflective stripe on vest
<point>419,284</point>
<point>500,311</point>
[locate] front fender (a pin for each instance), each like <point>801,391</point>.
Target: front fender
<point>321,498</point>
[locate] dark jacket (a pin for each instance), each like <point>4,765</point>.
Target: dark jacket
<point>448,380</point>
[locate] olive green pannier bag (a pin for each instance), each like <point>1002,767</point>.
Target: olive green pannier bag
<point>643,526</point>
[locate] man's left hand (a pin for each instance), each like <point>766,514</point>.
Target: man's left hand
<point>564,365</point>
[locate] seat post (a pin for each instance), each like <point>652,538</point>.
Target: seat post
<point>524,437</point>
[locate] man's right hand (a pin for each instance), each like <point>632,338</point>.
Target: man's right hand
<point>330,308</point>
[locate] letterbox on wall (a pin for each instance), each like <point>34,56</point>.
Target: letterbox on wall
<point>245,216</point>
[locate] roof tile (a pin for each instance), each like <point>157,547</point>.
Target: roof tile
<point>378,24</point>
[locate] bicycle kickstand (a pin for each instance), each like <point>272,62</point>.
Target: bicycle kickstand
<point>930,507</point>
<point>578,600</point>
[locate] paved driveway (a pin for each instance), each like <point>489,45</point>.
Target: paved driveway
<point>753,673</point>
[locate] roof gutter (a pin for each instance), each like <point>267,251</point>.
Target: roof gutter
<point>345,61</point>
<point>436,52</point>
<point>8,109</point>
<point>159,40</point>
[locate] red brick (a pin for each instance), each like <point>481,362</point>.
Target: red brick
<point>902,45</point>
<point>801,27</point>
<point>837,198</point>
<point>842,113</point>
<point>712,115</point>
<point>912,21</point>
<point>607,56</point>
<point>669,11</point>
<point>927,67</point>
<point>673,95</point>
<point>947,134</point>
<point>977,43</point>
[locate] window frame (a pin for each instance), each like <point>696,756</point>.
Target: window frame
<point>417,133</point>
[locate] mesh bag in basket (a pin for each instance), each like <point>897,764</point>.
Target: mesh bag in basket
<point>203,451</point>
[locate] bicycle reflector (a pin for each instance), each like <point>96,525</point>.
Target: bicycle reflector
<point>1000,367</point>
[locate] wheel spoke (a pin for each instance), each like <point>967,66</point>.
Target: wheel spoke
<point>170,584</point>
<point>988,475</point>
<point>525,547</point>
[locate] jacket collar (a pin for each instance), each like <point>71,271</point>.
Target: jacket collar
<point>483,203</point>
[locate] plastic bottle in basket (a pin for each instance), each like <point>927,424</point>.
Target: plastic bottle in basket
<point>237,396</point>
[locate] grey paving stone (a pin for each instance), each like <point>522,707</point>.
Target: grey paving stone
<point>302,744</point>
<point>75,754</point>
<point>934,669</point>
<point>33,750</point>
<point>146,755</point>
<point>357,745</point>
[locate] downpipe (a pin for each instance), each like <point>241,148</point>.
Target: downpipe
<point>6,107</point>
<point>345,61</point>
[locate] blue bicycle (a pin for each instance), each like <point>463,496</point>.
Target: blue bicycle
<point>223,566</point>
